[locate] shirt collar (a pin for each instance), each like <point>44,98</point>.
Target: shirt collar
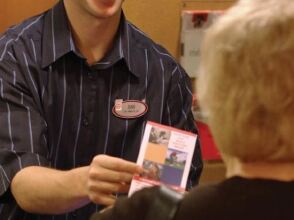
<point>58,41</point>
<point>130,48</point>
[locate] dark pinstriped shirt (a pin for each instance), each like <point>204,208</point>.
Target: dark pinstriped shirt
<point>56,110</point>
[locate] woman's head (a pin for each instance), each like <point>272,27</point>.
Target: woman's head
<point>246,84</point>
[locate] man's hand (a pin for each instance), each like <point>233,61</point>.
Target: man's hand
<point>108,176</point>
<point>48,191</point>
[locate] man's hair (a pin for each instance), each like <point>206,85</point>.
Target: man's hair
<point>246,85</point>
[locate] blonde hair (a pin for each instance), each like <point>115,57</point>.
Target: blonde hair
<point>246,84</point>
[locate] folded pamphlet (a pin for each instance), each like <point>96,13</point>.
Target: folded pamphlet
<point>166,155</point>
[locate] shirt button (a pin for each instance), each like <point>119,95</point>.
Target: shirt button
<point>90,75</point>
<point>85,122</point>
<point>74,214</point>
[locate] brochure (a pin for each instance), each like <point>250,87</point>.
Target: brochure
<point>166,155</point>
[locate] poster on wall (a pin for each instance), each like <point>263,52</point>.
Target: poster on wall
<point>193,27</point>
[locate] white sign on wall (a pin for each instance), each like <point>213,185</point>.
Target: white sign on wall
<point>194,25</point>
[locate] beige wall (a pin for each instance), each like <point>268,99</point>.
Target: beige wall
<point>14,11</point>
<point>160,19</point>
<point>161,23</point>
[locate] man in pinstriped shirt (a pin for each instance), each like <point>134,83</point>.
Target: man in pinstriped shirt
<point>65,151</point>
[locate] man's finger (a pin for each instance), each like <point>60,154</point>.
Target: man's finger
<point>106,187</point>
<point>103,199</point>
<point>107,175</point>
<point>117,164</point>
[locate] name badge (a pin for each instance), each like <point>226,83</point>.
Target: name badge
<point>129,109</point>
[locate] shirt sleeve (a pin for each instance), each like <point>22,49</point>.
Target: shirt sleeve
<point>23,130</point>
<point>178,113</point>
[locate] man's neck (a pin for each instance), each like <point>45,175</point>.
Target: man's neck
<point>262,170</point>
<point>93,36</point>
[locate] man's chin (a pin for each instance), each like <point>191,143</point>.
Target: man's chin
<point>105,13</point>
<point>105,8</point>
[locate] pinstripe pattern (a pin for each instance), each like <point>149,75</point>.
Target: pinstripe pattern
<point>174,71</point>
<point>14,77</point>
<point>162,90</point>
<point>18,36</point>
<point>18,159</point>
<point>2,178</point>
<point>62,114</point>
<point>34,50</point>
<point>128,46</point>
<point>53,35</point>
<point>29,72</point>
<point>108,112</point>
<point>5,175</point>
<point>182,101</point>
<point>12,57</point>
<point>57,111</point>
<point>1,88</point>
<point>9,127</point>
<point>30,129</point>
<point>21,98</point>
<point>80,106</point>
<point>121,53</point>
<point>2,37</point>
<point>146,86</point>
<point>126,121</point>
<point>5,48</point>
<point>72,47</point>
<point>168,113</point>
<point>146,72</point>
